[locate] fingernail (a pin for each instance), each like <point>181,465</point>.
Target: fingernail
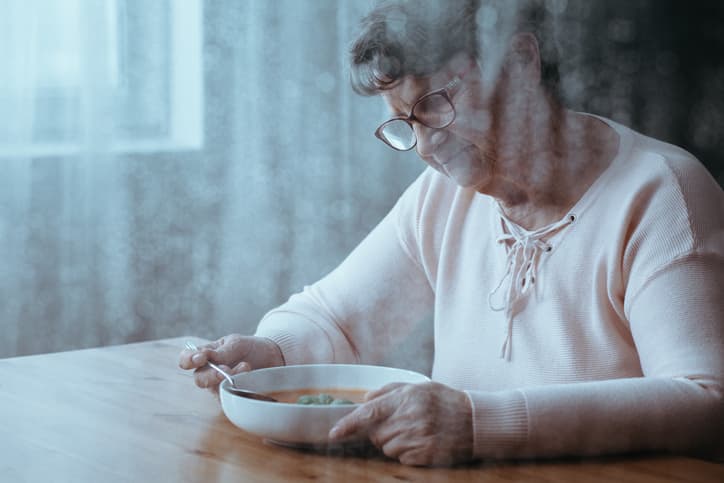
<point>333,433</point>
<point>198,358</point>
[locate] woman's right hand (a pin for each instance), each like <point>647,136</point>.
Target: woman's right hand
<point>233,353</point>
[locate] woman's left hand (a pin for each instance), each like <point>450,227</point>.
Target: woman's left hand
<point>426,424</point>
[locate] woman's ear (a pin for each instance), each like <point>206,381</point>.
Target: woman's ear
<point>523,58</point>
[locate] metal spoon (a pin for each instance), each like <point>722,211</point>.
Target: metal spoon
<point>237,391</point>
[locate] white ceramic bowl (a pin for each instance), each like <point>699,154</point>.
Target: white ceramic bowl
<point>298,423</point>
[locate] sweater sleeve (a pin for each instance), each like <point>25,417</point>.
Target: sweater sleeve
<point>365,307</point>
<point>677,322</point>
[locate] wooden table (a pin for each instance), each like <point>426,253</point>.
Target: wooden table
<point>128,413</point>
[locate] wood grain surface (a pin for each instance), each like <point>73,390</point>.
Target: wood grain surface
<point>128,413</point>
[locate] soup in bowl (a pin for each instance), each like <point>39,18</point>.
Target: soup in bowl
<point>312,398</point>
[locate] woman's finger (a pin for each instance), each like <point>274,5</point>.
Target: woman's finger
<point>242,366</point>
<point>189,359</point>
<point>363,419</point>
<point>382,434</point>
<point>192,359</point>
<point>185,361</point>
<point>383,390</point>
<point>205,377</point>
<point>230,350</point>
<point>397,446</point>
<point>415,457</point>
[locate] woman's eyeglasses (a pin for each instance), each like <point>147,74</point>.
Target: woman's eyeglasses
<point>434,110</point>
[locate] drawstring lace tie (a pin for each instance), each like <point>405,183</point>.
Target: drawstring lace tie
<point>521,267</point>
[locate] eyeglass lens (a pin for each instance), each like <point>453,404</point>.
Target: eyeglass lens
<point>433,111</point>
<point>399,134</point>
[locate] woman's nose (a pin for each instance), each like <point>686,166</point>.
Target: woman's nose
<point>428,139</point>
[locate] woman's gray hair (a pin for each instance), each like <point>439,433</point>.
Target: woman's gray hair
<point>410,37</point>
<point>400,38</point>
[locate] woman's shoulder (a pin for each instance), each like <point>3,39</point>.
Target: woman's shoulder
<point>658,207</point>
<point>679,181</point>
<point>655,176</point>
<point>668,204</point>
<point>649,159</point>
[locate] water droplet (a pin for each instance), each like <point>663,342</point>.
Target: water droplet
<point>621,30</point>
<point>487,17</point>
<point>667,63</point>
<point>557,7</point>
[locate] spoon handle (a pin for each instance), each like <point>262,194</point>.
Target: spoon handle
<point>222,372</point>
<point>191,346</point>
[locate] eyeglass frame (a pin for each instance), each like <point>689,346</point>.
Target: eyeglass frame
<point>444,91</point>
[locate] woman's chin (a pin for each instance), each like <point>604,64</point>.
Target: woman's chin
<point>468,169</point>
<point>468,177</point>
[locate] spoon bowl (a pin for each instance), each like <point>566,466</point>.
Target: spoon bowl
<point>249,394</point>
<point>231,387</point>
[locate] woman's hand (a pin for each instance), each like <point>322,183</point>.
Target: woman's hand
<point>427,424</point>
<point>233,353</point>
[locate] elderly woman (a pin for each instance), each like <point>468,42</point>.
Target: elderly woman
<point>573,266</point>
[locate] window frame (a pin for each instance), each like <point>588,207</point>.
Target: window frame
<point>186,96</point>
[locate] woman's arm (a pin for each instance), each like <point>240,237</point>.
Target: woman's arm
<point>677,323</point>
<point>362,309</point>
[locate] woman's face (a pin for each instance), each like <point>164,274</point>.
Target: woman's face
<point>464,150</point>
<point>486,131</point>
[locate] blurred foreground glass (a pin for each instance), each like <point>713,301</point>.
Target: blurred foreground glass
<point>434,110</point>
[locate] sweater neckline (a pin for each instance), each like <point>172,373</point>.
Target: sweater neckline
<point>624,147</point>
<point>599,184</point>
<point>524,256</point>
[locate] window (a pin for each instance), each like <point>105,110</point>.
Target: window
<point>126,73</point>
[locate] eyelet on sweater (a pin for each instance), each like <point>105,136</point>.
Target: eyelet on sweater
<point>572,217</point>
<point>549,248</point>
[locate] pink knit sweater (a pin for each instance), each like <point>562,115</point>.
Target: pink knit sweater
<point>602,334</point>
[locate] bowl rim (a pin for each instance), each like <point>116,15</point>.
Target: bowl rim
<point>313,407</point>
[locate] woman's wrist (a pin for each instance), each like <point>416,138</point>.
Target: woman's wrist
<point>275,356</point>
<point>500,423</point>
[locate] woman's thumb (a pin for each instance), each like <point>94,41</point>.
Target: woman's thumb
<point>242,366</point>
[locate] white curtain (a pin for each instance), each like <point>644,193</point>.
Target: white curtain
<point>107,238</point>
<point>61,199</point>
